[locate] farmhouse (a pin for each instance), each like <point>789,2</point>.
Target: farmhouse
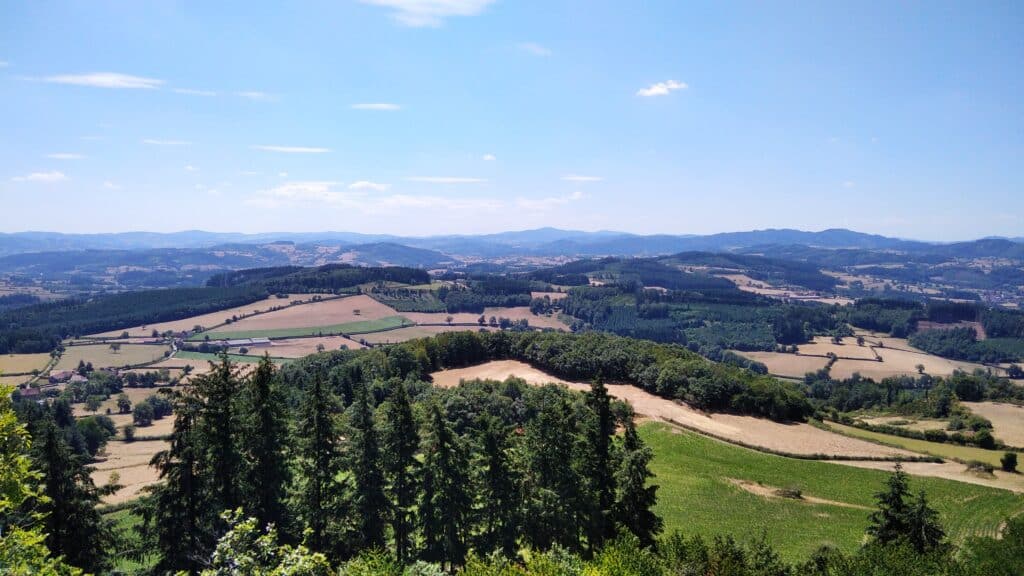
<point>58,376</point>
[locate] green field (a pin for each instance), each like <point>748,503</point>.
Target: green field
<point>129,559</point>
<point>361,327</point>
<point>238,358</point>
<point>696,497</point>
<point>949,451</point>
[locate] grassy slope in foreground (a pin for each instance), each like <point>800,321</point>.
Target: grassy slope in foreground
<point>360,327</point>
<point>696,496</point>
<point>942,450</point>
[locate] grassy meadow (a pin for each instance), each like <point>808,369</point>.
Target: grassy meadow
<point>358,327</point>
<point>942,450</point>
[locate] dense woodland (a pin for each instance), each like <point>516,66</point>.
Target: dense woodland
<point>330,278</point>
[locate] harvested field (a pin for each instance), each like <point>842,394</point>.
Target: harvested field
<point>785,364</point>
<point>349,328</point>
<point>136,395</point>
<point>950,471</point>
<point>923,325</point>
<point>411,333</point>
<point>802,439</point>
<point>900,362</point>
<point>299,347</point>
<point>554,296</point>
<point>102,356</point>
<point>131,462</point>
<point>919,425</point>
<point>324,314</point>
<point>210,319</point>
<point>940,449</point>
<point>822,346</point>
<point>13,380</point>
<point>1007,420</point>
<point>512,313</point>
<point>22,363</point>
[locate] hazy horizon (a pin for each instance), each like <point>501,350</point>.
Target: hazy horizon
<point>469,116</point>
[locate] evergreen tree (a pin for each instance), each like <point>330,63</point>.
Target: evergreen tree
<point>317,455</point>
<point>889,522</point>
<point>498,496</point>
<point>925,532</point>
<point>445,500</point>
<point>401,441</point>
<point>263,442</point>
<point>180,516</point>
<point>635,498</point>
<point>598,465</point>
<point>369,504</point>
<point>74,528</point>
<point>217,428</point>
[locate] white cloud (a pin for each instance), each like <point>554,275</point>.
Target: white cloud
<point>159,142</point>
<point>578,178</point>
<point>47,177</point>
<point>111,185</point>
<point>191,168</point>
<point>105,80</point>
<point>489,158</point>
<point>367,185</point>
<point>541,204</point>
<point>291,149</point>
<point>65,156</point>
<point>326,193</point>
<point>378,106</point>
<point>193,92</point>
<point>662,88</point>
<point>534,49</point>
<point>446,179</point>
<point>257,96</point>
<point>419,13</point>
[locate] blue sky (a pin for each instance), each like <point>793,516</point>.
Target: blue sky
<point>469,116</point>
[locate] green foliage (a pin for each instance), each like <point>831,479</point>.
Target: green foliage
<point>246,550</point>
<point>1008,462</point>
<point>328,278</point>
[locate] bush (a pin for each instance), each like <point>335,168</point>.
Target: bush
<point>1009,462</point>
<point>977,466</point>
<point>129,432</point>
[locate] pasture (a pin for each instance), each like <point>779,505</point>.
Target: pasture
<point>357,327</point>
<point>411,333</point>
<point>940,449</point>
<point>1007,420</point>
<point>848,348</point>
<point>787,365</point>
<point>325,316</point>
<point>101,356</point>
<point>512,313</point>
<point>23,363</point>
<point>707,487</point>
<point>299,347</point>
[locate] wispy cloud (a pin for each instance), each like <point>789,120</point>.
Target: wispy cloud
<point>111,185</point>
<point>579,178</point>
<point>432,13</point>
<point>367,185</point>
<point>105,80</point>
<point>489,158</point>
<point>662,88</point>
<point>46,177</point>
<point>194,92</point>
<point>378,106</point>
<point>257,96</point>
<point>327,193</point>
<point>160,142</point>
<point>541,204</point>
<point>65,156</point>
<point>849,184</point>
<point>291,149</point>
<point>534,49</point>
<point>446,179</point>
<point>311,191</point>
<point>249,173</point>
<point>191,168</point>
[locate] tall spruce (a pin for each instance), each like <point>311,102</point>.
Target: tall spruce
<point>924,530</point>
<point>498,493</point>
<point>889,521</point>
<point>263,441</point>
<point>368,502</point>
<point>318,458</point>
<point>73,525</point>
<point>180,516</point>
<point>217,428</point>
<point>599,466</point>
<point>633,506</point>
<point>401,441</point>
<point>445,500</point>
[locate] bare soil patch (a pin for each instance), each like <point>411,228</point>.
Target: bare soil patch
<point>802,439</point>
<point>948,470</point>
<point>785,364</point>
<point>324,313</point>
<point>130,460</point>
<point>1007,420</point>
<point>773,492</point>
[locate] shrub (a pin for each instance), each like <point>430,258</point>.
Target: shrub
<point>977,466</point>
<point>1009,462</point>
<point>129,433</point>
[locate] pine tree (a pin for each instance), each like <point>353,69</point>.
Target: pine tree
<point>925,532</point>
<point>369,505</point>
<point>498,500</point>
<point>217,427</point>
<point>317,454</point>
<point>74,528</point>
<point>635,498</point>
<point>889,522</point>
<point>263,441</point>
<point>445,500</point>
<point>598,465</point>
<point>401,441</point>
<point>181,515</point>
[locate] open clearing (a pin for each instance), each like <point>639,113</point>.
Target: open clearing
<point>700,493</point>
<point>900,362</point>
<point>136,395</point>
<point>325,314</point>
<point>907,423</point>
<point>512,313</point>
<point>22,363</point>
<point>1007,420</point>
<point>788,365</point>
<point>801,439</point>
<point>823,346</point>
<point>130,460</point>
<point>411,333</point>
<point>299,347</point>
<point>210,319</point>
<point>102,356</point>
